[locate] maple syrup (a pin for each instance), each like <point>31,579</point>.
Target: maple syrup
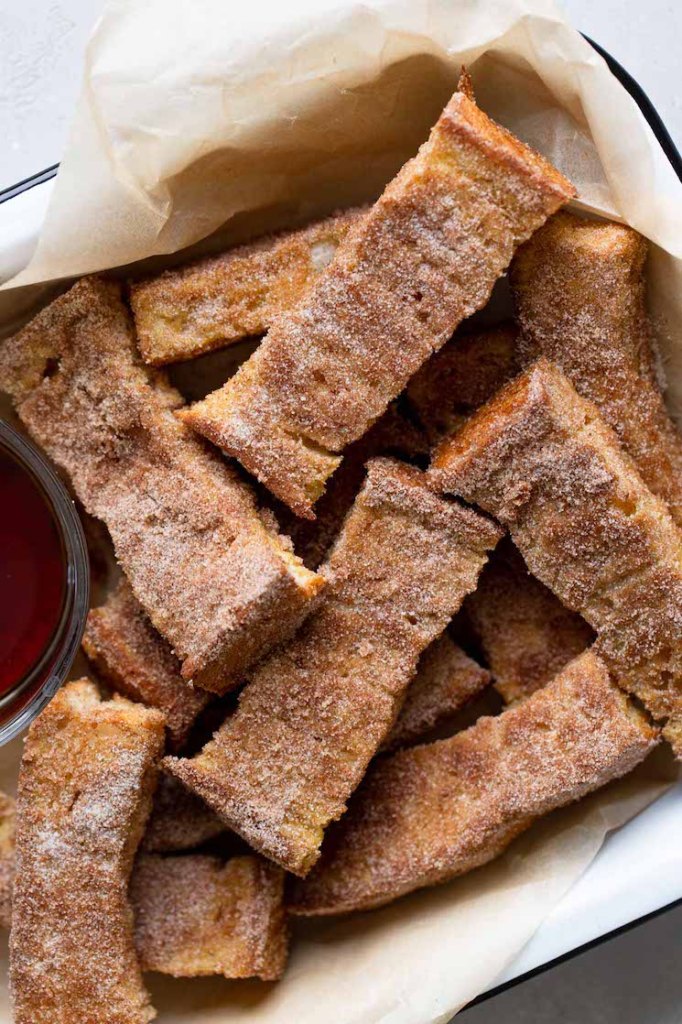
<point>32,573</point>
<point>44,582</point>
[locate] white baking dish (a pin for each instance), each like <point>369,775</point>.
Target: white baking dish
<point>638,871</point>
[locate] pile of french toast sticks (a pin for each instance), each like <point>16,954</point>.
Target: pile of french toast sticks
<point>304,535</point>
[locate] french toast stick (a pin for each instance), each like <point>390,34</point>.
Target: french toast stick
<point>7,842</point>
<point>435,811</point>
<point>133,658</point>
<point>194,915</point>
<point>422,259</point>
<point>218,300</point>
<point>464,374</point>
<point>445,681</point>
<point>179,819</point>
<point>197,915</point>
<point>215,582</point>
<point>541,460</point>
<point>312,716</point>
<point>579,291</point>
<point>526,634</point>
<point>85,787</point>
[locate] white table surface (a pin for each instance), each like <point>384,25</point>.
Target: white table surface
<point>637,977</point>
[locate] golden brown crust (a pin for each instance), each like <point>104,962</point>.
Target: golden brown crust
<point>7,841</point>
<point>526,634</point>
<point>179,819</point>
<point>214,581</point>
<point>461,377</point>
<point>314,713</point>
<point>133,658</point>
<point>85,788</point>
<point>196,915</point>
<point>424,257</point>
<point>445,681</point>
<point>540,458</point>
<point>579,292</point>
<point>432,812</point>
<point>220,299</point>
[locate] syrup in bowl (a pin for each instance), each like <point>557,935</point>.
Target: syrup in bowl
<point>32,573</point>
<point>43,582</point>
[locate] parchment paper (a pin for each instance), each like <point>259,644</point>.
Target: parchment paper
<point>213,120</point>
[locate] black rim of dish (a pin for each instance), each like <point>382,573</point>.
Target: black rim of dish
<point>673,154</point>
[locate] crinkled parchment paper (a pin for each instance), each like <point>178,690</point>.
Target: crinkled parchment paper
<point>221,118</point>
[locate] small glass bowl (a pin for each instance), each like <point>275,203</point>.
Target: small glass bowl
<point>20,705</point>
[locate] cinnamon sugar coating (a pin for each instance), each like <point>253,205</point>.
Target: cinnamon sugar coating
<point>424,258</point>
<point>526,634</point>
<point>179,819</point>
<point>445,681</point>
<point>580,297</point>
<point>133,658</point>
<point>459,378</point>
<point>85,788</point>
<point>219,299</point>
<point>439,810</point>
<point>196,915</point>
<point>215,582</point>
<point>7,841</point>
<point>540,458</point>
<point>315,713</point>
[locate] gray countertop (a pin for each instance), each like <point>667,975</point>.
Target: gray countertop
<point>635,978</point>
